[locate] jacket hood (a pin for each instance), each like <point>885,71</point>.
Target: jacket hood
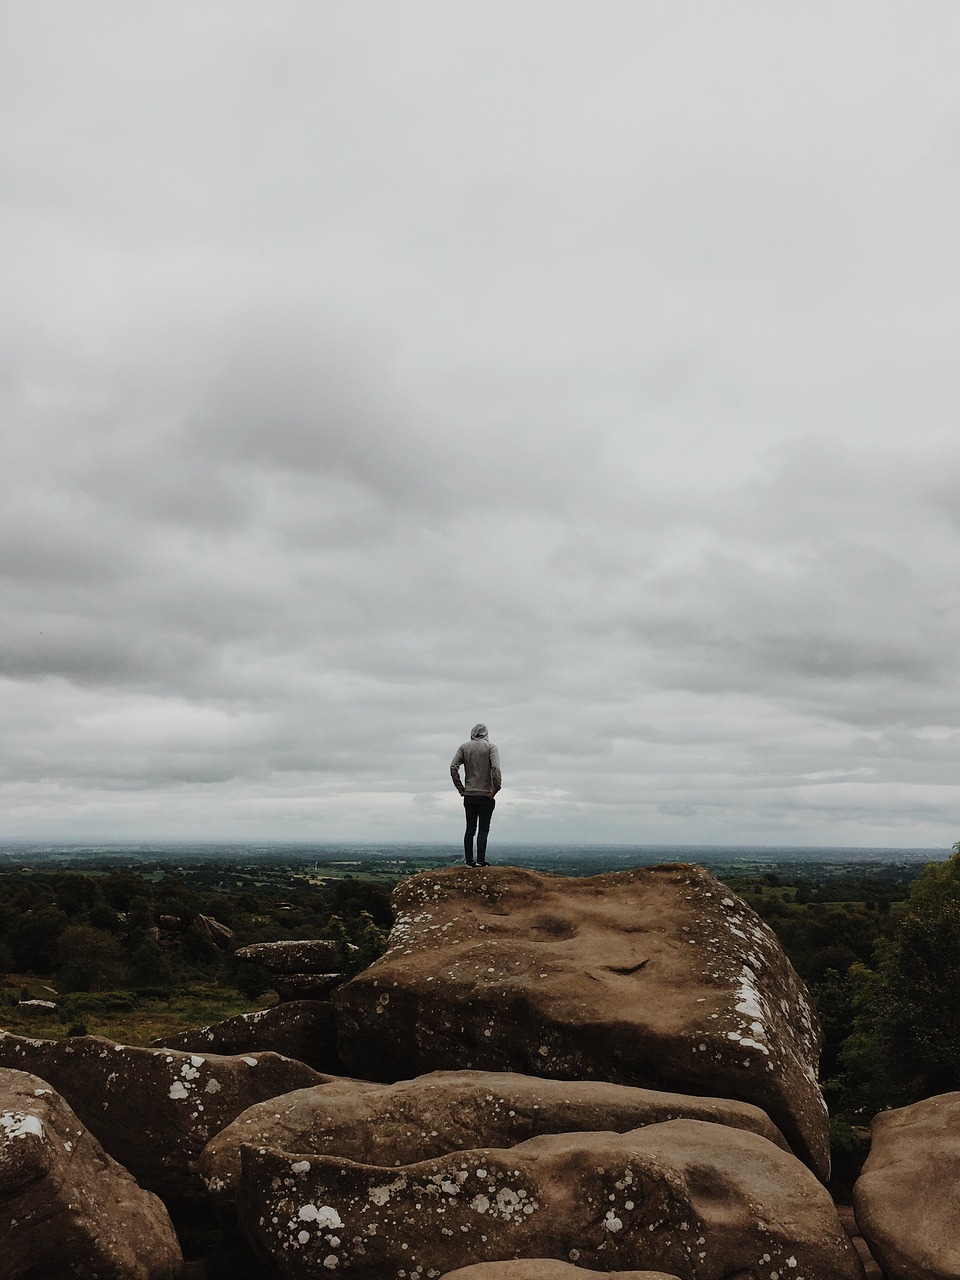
<point>478,731</point>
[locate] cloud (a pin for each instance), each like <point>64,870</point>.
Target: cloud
<point>591,376</point>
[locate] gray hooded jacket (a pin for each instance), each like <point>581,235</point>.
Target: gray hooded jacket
<point>481,765</point>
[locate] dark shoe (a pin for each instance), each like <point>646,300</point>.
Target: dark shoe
<point>470,864</point>
<point>481,864</point>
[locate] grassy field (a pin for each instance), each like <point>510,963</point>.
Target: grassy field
<point>122,1016</point>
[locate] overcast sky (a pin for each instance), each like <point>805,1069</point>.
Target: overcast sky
<point>589,369</point>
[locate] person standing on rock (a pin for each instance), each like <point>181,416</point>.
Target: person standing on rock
<point>480,761</point>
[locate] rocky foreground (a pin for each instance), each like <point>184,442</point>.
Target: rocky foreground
<point>542,1079</point>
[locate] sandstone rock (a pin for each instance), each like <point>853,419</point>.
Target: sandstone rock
<point>39,1008</point>
<point>305,986</point>
<point>907,1200</point>
<point>414,1120</point>
<point>657,977</point>
<point>689,1198</point>
<point>307,955</point>
<point>219,934</point>
<point>301,1029</point>
<point>546,1269</point>
<point>154,1110</point>
<point>66,1208</point>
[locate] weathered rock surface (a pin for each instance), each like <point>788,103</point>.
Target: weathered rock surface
<point>546,1269</point>
<point>219,934</point>
<point>300,969</point>
<point>308,955</point>
<point>907,1200</point>
<point>693,1199</point>
<point>446,1111</point>
<point>66,1208</point>
<point>657,977</point>
<point>305,986</point>
<point>154,1110</point>
<point>301,1029</point>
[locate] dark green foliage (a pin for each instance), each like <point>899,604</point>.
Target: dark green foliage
<point>88,959</point>
<point>150,967</point>
<point>34,936</point>
<point>905,1042</point>
<point>96,933</point>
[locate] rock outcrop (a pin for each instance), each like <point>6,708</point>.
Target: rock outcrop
<point>656,977</point>
<point>446,1111</point>
<point>66,1208</point>
<point>301,969</point>
<point>907,1199</point>
<point>154,1110</point>
<point>685,1197</point>
<point>301,1029</point>
<point>546,1269</point>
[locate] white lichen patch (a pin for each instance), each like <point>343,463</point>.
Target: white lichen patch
<point>18,1124</point>
<point>324,1216</point>
<point>381,1195</point>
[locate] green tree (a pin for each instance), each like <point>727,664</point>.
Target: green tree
<point>906,1038</point>
<point>89,959</point>
<point>34,937</point>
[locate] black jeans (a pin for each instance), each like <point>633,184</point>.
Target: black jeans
<point>479,811</point>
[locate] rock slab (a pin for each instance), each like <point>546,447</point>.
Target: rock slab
<point>685,1197</point>
<point>301,1029</point>
<point>907,1199</point>
<point>446,1111</point>
<point>657,977</point>
<point>154,1110</point>
<point>546,1269</point>
<point>66,1208</point>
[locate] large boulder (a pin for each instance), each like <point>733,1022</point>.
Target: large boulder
<point>545,1269</point>
<point>66,1208</point>
<point>907,1199</point>
<point>692,1199</point>
<point>657,977</point>
<point>296,955</point>
<point>414,1120</point>
<point>301,1029</point>
<point>155,1110</point>
<point>300,968</point>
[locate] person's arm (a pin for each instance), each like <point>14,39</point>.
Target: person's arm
<point>495,769</point>
<point>455,764</point>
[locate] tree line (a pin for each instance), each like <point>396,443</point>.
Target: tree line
<point>105,932</point>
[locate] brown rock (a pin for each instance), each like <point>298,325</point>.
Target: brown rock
<point>219,934</point>
<point>66,1208</point>
<point>305,986</point>
<point>154,1110</point>
<point>390,1125</point>
<point>692,1199</point>
<point>907,1200</point>
<point>546,1269</point>
<point>657,977</point>
<point>301,1029</point>
<point>302,955</point>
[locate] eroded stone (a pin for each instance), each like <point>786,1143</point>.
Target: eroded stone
<point>67,1208</point>
<point>657,977</point>
<point>685,1197</point>
<point>154,1110</point>
<point>907,1199</point>
<point>449,1111</point>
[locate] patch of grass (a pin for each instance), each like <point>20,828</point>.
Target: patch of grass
<point>126,1017</point>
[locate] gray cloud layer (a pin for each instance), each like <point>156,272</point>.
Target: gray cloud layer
<point>589,370</point>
